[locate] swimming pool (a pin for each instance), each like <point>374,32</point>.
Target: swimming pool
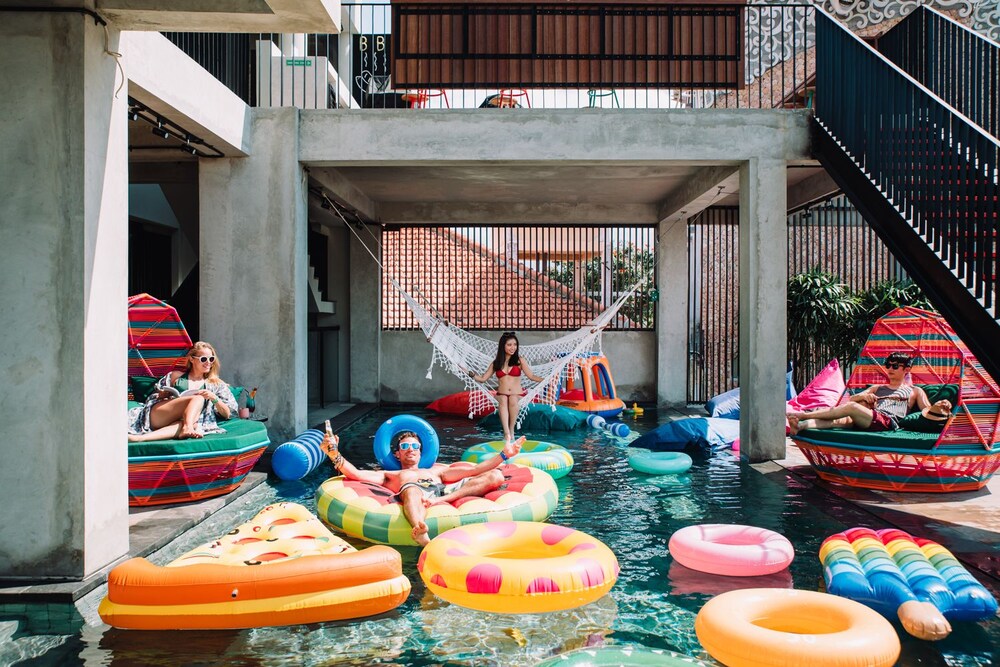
<point>653,604</point>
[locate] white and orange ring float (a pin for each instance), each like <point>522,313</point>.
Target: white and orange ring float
<point>761,627</point>
<point>517,567</point>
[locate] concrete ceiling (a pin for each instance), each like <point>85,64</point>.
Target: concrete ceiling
<point>498,193</point>
<point>311,16</point>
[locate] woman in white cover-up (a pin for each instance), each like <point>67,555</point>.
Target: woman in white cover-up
<point>166,415</point>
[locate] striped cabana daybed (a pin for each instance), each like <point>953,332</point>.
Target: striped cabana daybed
<point>177,471</point>
<point>962,457</point>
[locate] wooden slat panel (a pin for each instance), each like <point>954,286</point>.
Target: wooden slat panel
<point>521,44</point>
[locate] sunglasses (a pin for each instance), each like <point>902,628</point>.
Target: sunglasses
<point>894,365</point>
<point>508,333</point>
<point>409,445</point>
<point>205,360</point>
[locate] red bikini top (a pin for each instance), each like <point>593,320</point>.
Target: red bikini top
<point>515,371</point>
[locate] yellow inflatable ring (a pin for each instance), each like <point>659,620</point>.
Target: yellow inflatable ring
<point>770,626</point>
<point>517,567</point>
<point>371,512</point>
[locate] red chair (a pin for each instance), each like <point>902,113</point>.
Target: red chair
<point>418,99</point>
<point>509,98</point>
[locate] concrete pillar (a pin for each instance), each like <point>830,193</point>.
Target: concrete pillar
<point>366,316</point>
<point>672,313</point>
<point>763,237</point>
<point>63,279</point>
<point>254,268</point>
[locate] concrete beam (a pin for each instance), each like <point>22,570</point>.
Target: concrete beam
<point>284,16</point>
<point>816,187</point>
<point>699,193</point>
<point>763,266</point>
<point>342,190</point>
<point>526,212</point>
<point>406,137</point>
<point>168,81</point>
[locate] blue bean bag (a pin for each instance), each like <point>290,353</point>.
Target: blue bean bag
<point>700,431</point>
<point>727,405</point>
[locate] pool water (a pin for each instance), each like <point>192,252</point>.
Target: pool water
<point>653,604</point>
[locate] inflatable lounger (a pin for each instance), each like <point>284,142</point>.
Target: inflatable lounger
<point>283,567</point>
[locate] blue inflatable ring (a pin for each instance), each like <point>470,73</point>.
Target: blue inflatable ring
<point>659,463</point>
<point>429,442</point>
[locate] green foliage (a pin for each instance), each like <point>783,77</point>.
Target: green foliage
<point>821,314</point>
<point>826,320</point>
<point>628,265</point>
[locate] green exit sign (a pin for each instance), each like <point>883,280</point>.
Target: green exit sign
<point>298,62</point>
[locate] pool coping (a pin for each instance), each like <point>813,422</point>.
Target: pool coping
<point>153,527</point>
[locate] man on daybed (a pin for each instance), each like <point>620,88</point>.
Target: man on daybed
<point>880,407</point>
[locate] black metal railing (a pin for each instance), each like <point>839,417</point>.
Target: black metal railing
<point>226,56</point>
<point>955,63</point>
<point>521,277</point>
<point>830,235</point>
<point>765,65</point>
<point>937,168</point>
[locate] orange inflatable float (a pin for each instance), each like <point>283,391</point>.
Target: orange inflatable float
<point>283,567</point>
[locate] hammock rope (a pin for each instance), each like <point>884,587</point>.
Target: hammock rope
<point>459,351</point>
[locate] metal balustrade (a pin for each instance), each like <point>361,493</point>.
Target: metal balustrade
<point>637,57</point>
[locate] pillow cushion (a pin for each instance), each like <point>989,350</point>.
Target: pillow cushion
<point>457,404</point>
<point>142,386</point>
<point>700,431</point>
<point>727,405</point>
<point>541,417</point>
<point>237,391</point>
<point>822,392</point>
<point>938,392</point>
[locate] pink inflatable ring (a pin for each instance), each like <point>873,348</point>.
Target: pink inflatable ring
<point>731,549</point>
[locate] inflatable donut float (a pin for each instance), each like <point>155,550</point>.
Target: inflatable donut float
<point>517,567</point>
<point>760,627</point>
<point>429,441</point>
<point>731,549</point>
<point>282,567</point>
<point>621,656</point>
<point>552,458</point>
<point>659,463</point>
<point>371,512</point>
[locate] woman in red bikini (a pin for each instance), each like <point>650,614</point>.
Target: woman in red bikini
<point>508,367</point>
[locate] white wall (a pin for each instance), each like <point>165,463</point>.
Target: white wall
<point>406,355</point>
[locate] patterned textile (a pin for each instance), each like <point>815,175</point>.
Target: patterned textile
<point>138,418</point>
<point>156,337</point>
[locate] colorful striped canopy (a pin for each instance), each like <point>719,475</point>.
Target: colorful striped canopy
<point>939,355</point>
<point>156,337</point>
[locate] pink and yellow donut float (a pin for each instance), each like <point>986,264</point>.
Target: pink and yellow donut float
<point>517,567</point>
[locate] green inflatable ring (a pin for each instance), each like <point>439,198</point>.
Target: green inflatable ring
<point>373,513</point>
<point>659,463</point>
<point>550,457</point>
<point>620,656</point>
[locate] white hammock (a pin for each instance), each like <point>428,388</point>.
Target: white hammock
<point>459,351</point>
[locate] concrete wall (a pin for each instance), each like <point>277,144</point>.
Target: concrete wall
<point>254,261</point>
<point>63,252</point>
<point>407,354</point>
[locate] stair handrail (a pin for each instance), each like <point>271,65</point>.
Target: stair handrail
<point>900,121</point>
<point>978,71</point>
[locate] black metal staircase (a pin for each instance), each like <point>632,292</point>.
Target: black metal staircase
<point>926,177</point>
